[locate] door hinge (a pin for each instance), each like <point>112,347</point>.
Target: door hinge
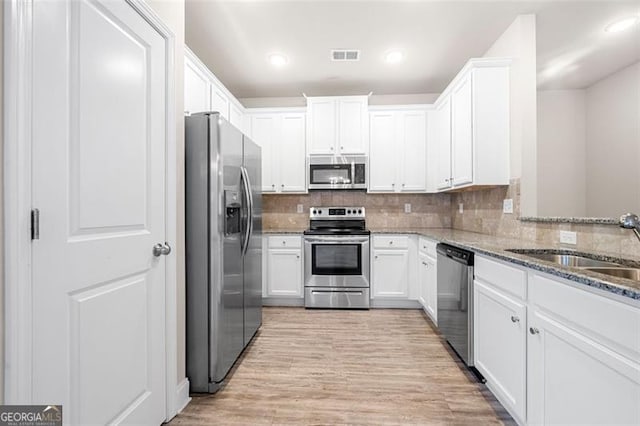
<point>35,224</point>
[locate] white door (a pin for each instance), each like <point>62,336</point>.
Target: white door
<point>219,101</point>
<point>382,158</point>
<point>284,271</point>
<point>321,126</point>
<point>196,88</point>
<point>422,279</point>
<point>462,134</point>
<point>432,289</point>
<point>236,117</point>
<point>390,274</point>
<point>442,132</point>
<point>99,182</point>
<point>263,128</point>
<point>352,126</point>
<point>292,153</point>
<point>412,135</point>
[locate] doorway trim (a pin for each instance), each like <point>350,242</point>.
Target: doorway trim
<point>18,116</point>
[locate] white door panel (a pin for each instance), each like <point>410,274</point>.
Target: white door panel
<point>99,183</point>
<point>292,163</point>
<point>413,138</point>
<point>382,157</point>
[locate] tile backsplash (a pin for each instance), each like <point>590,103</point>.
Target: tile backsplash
<point>482,212</point>
<point>383,210</point>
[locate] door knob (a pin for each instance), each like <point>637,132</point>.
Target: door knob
<point>161,249</point>
<point>515,318</point>
<point>534,330</point>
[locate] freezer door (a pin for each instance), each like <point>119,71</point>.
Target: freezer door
<point>253,256</point>
<point>226,322</point>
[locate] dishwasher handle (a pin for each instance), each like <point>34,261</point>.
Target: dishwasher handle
<point>456,254</point>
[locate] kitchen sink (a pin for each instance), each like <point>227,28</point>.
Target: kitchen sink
<point>620,272</point>
<point>573,260</point>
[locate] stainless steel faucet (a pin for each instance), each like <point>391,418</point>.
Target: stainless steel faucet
<point>631,221</point>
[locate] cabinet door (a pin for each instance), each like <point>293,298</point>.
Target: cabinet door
<point>442,143</point>
<point>390,274</point>
<point>352,126</point>
<point>321,126</point>
<point>574,380</point>
<point>462,133</point>
<point>382,158</point>
<point>196,88</point>
<point>412,135</point>
<point>500,346</point>
<point>291,158</point>
<point>423,271</point>
<point>263,133</point>
<point>219,101</point>
<point>431,296</point>
<point>236,117</point>
<point>284,269</point>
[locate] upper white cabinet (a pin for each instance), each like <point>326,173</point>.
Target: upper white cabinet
<point>440,143</point>
<point>204,92</point>
<point>397,151</point>
<point>196,88</point>
<point>281,134</point>
<point>337,125</point>
<point>471,127</point>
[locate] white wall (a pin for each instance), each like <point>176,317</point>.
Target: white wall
<point>420,98</point>
<point>613,144</point>
<point>519,43</point>
<point>562,153</point>
<point>172,13</point>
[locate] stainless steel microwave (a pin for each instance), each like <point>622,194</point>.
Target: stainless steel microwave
<point>344,175</point>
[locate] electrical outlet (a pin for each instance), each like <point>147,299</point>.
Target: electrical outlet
<point>300,208</point>
<point>568,237</point>
<point>507,206</point>
<point>460,208</point>
<point>407,207</point>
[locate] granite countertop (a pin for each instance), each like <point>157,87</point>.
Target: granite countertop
<point>496,247</point>
<point>282,231</point>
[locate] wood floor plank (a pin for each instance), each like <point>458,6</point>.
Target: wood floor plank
<point>331,367</point>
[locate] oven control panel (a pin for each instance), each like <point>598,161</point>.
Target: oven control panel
<point>336,213</point>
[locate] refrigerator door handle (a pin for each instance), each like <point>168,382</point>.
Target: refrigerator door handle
<point>247,190</point>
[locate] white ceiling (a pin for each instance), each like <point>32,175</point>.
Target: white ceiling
<point>234,39</point>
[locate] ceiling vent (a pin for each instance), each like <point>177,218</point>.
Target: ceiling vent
<point>342,55</point>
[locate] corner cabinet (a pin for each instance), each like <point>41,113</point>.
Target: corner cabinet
<point>337,125</point>
<point>284,267</point>
<point>397,149</point>
<point>394,271</point>
<point>472,127</point>
<point>281,135</point>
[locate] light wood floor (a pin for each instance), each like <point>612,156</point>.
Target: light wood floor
<point>380,366</point>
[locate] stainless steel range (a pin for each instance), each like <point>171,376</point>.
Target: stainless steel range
<point>336,259</point>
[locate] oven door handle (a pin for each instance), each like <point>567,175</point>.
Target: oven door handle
<point>336,240</point>
<point>359,292</point>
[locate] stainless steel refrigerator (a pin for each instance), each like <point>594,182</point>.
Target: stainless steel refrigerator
<point>223,247</point>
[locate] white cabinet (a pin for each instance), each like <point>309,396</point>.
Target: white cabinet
<point>219,101</point>
<point>397,152</point>
<point>284,267</point>
<point>394,268</point>
<point>236,117</point>
<point>196,88</point>
<point>337,125</point>
<point>281,137</point>
<point>428,278</point>
<point>500,332</point>
<point>472,127</point>
<point>583,357</point>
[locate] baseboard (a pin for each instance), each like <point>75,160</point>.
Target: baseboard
<point>282,301</point>
<point>182,395</point>
<point>395,304</point>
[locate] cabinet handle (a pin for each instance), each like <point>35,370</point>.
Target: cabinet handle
<point>515,318</point>
<point>273,185</point>
<point>424,263</point>
<point>282,185</point>
<point>390,242</point>
<point>284,243</point>
<point>297,256</point>
<point>534,330</point>
<point>375,257</point>
<point>393,185</point>
<point>331,148</point>
<point>403,185</point>
<point>342,147</point>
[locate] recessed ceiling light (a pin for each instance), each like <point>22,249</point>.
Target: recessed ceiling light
<point>621,24</point>
<point>278,60</point>
<point>393,57</point>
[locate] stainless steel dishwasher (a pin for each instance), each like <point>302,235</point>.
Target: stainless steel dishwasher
<point>455,299</point>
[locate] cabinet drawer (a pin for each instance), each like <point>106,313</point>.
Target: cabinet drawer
<point>612,323</point>
<point>501,276</point>
<point>285,241</point>
<point>390,241</point>
<point>427,246</point>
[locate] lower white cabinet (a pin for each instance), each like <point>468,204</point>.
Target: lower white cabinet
<point>394,273</point>
<point>500,346</point>
<point>284,267</point>
<point>583,357</point>
<point>428,278</point>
